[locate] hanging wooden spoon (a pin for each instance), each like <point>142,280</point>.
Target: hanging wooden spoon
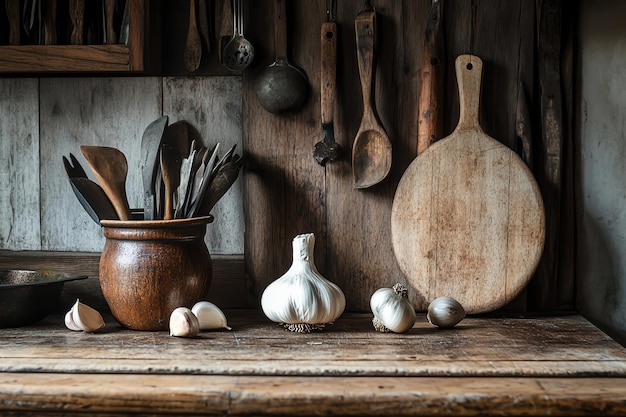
<point>371,151</point>
<point>109,11</point>
<point>110,168</point>
<point>193,49</point>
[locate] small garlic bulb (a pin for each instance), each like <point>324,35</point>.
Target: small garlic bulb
<point>445,312</point>
<point>209,316</point>
<point>183,323</point>
<point>392,309</point>
<point>303,300</point>
<point>82,318</point>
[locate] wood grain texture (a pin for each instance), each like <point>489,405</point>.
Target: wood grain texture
<point>19,151</point>
<point>104,112</point>
<point>565,346</point>
<point>505,366</point>
<point>62,394</point>
<point>467,219</point>
<point>287,194</point>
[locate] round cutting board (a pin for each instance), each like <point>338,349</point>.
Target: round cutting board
<point>467,219</point>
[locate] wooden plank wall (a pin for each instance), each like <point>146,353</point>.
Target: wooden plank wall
<point>288,193</point>
<point>44,119</point>
<point>284,191</point>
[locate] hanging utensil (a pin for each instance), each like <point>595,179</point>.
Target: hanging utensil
<point>371,151</point>
<point>328,149</point>
<point>193,48</point>
<point>150,146</point>
<point>125,24</point>
<point>109,14</point>
<point>110,168</point>
<point>226,28</point>
<point>50,23</point>
<point>12,8</point>
<point>203,25</point>
<point>281,86</point>
<point>238,52</point>
<point>430,119</point>
<point>77,16</point>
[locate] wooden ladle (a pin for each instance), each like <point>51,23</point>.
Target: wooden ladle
<point>110,168</point>
<point>371,151</point>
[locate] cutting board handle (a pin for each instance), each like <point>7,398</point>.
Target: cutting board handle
<point>469,70</point>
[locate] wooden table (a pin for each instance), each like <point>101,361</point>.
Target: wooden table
<point>485,366</point>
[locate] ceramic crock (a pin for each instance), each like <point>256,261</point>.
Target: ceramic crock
<point>150,267</point>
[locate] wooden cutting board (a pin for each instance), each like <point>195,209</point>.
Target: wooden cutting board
<point>468,219</point>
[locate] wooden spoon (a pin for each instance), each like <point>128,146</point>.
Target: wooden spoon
<point>109,10</point>
<point>193,49</point>
<point>371,152</point>
<point>110,168</point>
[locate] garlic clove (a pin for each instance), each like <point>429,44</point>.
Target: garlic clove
<point>209,316</point>
<point>183,323</point>
<point>69,322</point>
<point>392,310</point>
<point>445,312</point>
<point>81,317</point>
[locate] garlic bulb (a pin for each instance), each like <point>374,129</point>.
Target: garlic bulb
<point>209,316</point>
<point>392,309</point>
<point>82,318</point>
<point>183,323</point>
<point>303,300</point>
<point>445,312</point>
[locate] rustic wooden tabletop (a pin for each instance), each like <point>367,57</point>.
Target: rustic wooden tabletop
<point>486,365</point>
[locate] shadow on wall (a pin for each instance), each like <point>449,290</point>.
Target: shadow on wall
<point>601,278</point>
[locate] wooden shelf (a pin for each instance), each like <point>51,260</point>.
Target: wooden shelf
<point>141,55</point>
<point>485,366</point>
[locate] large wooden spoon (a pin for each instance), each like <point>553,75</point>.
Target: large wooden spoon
<point>371,151</point>
<point>110,168</point>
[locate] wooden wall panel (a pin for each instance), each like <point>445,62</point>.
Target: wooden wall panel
<point>212,105</point>
<point>98,111</point>
<point>288,193</point>
<point>19,173</point>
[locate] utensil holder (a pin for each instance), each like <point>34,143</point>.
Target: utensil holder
<point>150,267</point>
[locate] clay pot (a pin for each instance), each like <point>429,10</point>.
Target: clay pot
<point>150,267</point>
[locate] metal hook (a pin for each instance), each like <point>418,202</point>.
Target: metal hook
<point>331,10</point>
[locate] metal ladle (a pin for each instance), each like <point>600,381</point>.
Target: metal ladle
<point>238,52</point>
<point>281,86</point>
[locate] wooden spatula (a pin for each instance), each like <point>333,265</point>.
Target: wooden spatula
<point>110,168</point>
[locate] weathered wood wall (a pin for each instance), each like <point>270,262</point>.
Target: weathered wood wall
<point>284,191</point>
<point>44,119</point>
<point>288,193</point>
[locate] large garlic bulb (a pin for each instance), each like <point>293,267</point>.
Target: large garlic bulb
<point>302,299</point>
<point>392,309</point>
